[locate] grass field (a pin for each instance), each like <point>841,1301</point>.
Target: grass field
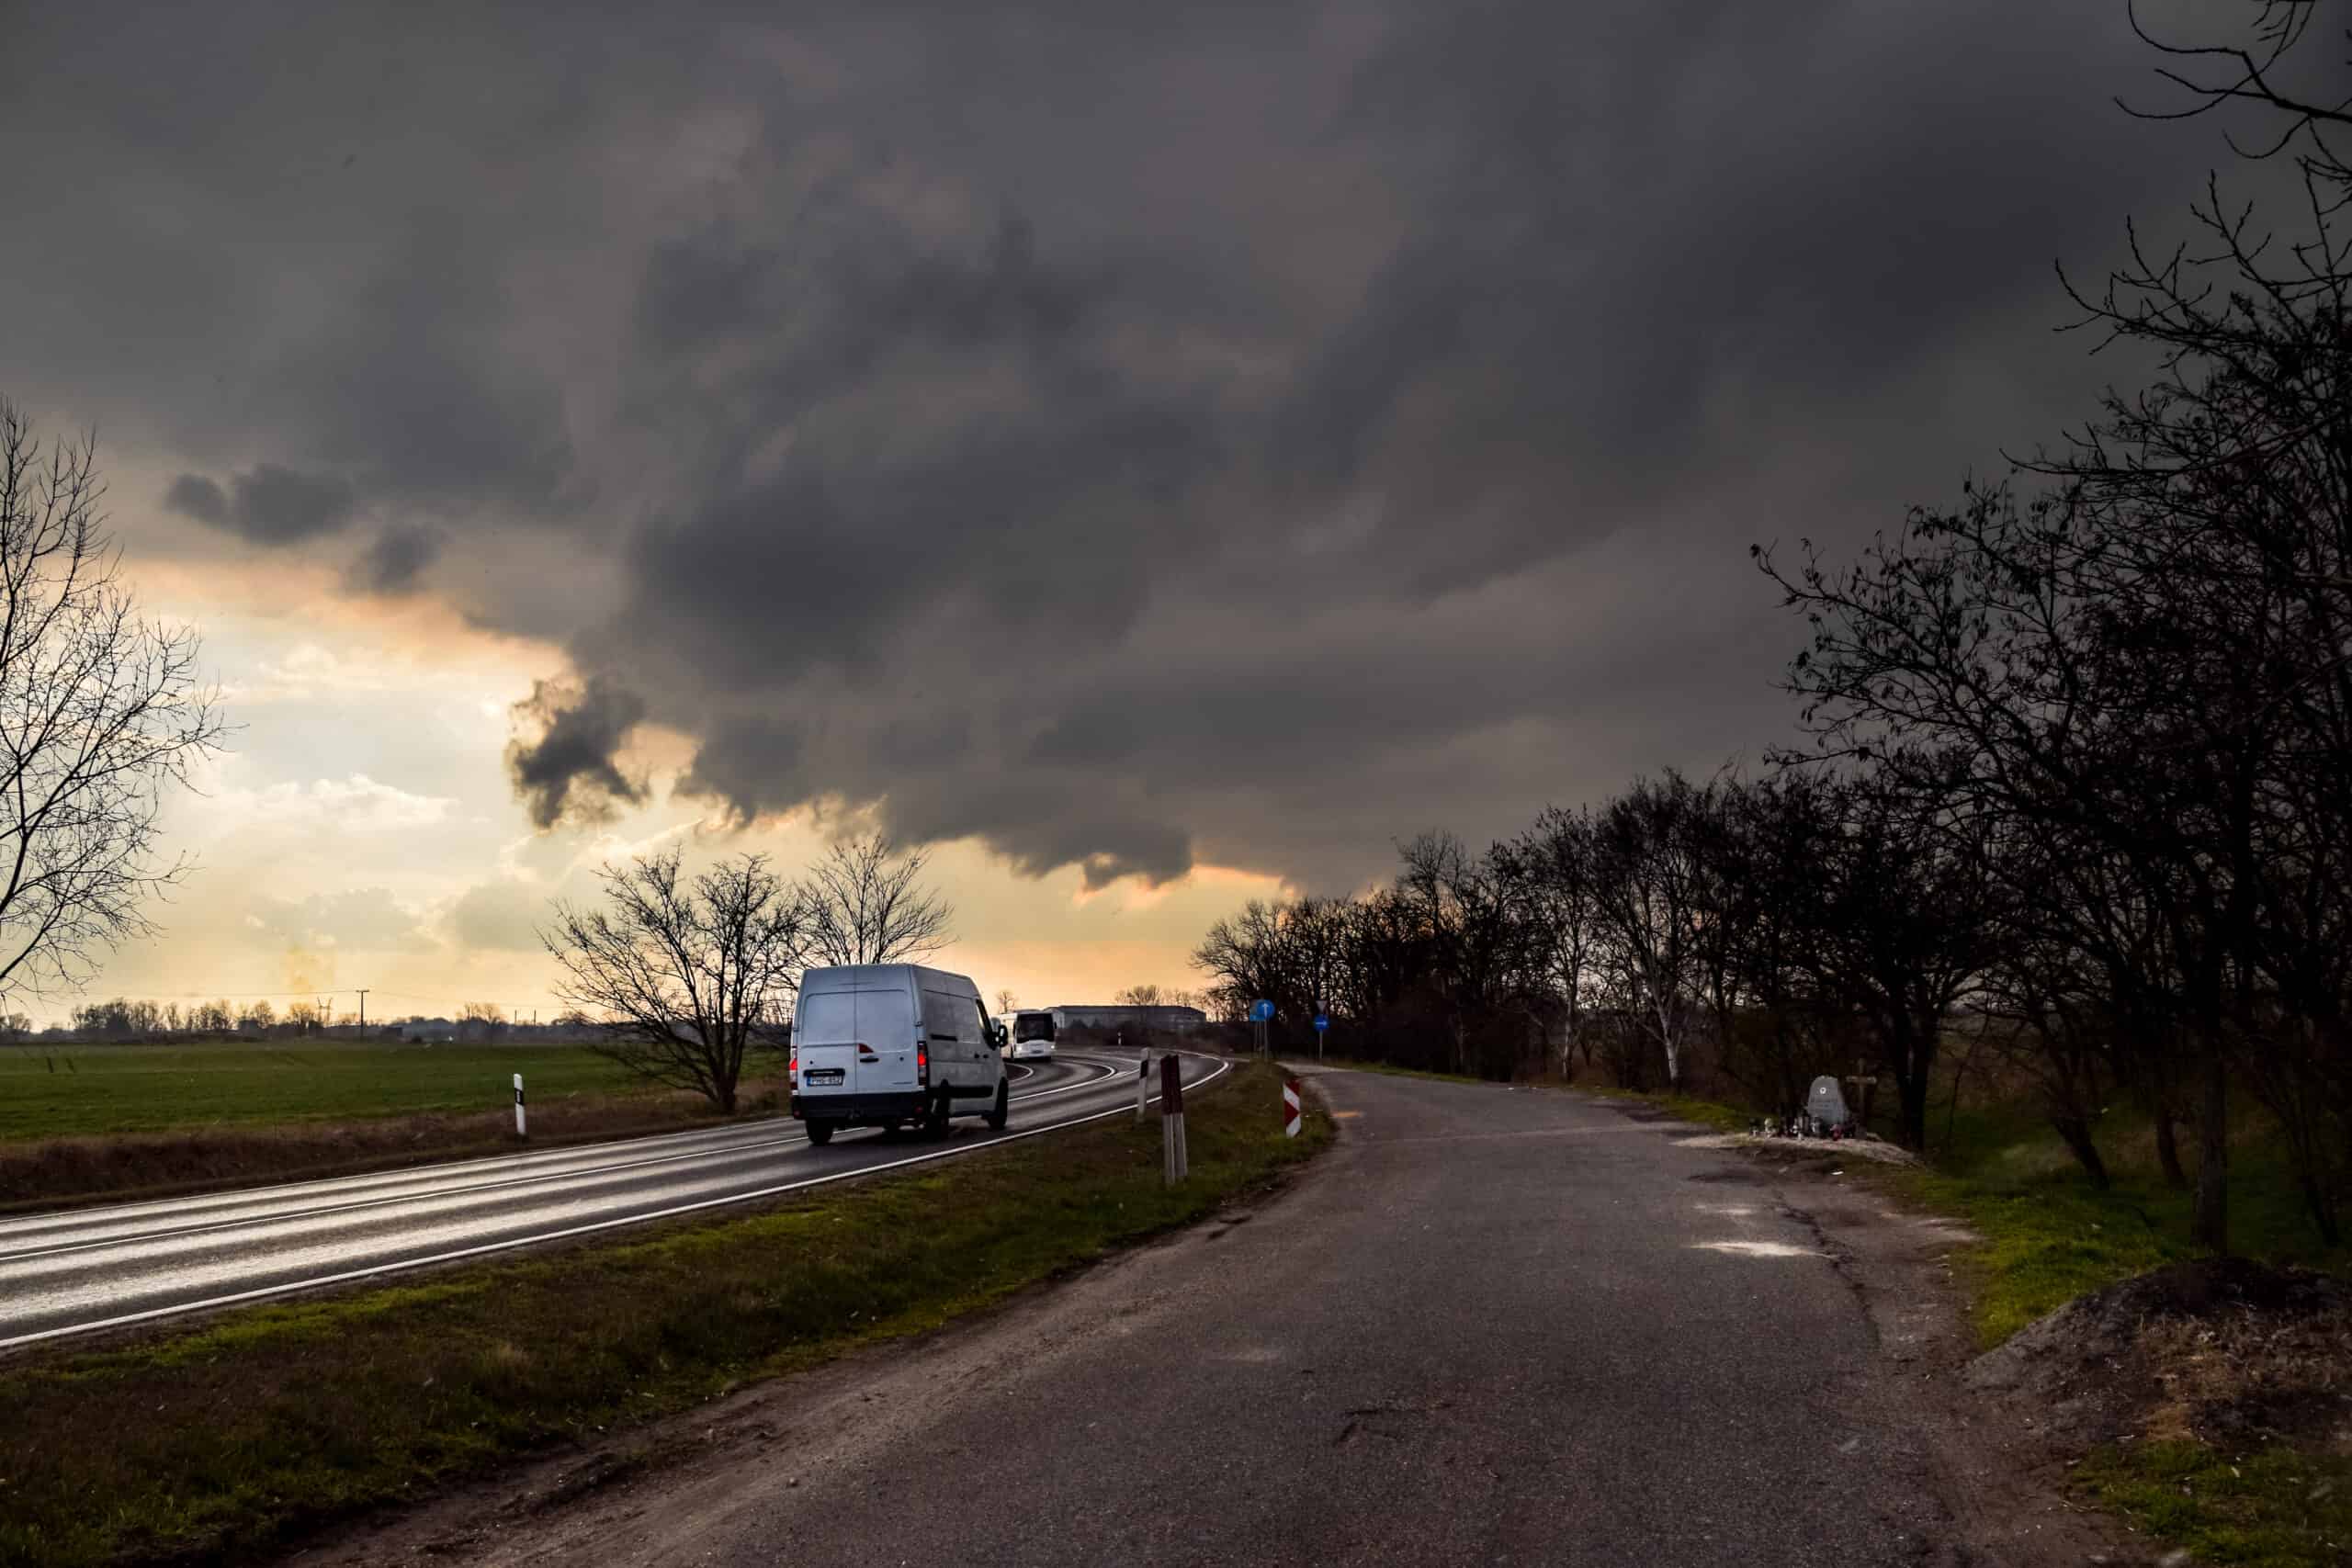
<point>78,1090</point>
<point>223,1442</point>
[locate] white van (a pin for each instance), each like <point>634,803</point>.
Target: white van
<point>884,1044</point>
<point>1029,1032</point>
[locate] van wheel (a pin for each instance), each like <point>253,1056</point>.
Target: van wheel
<point>1001,1111</point>
<point>821,1133</point>
<point>934,1119</point>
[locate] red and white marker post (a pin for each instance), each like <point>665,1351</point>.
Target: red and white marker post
<point>1172,1117</point>
<point>1292,1116</point>
<point>522,1128</point>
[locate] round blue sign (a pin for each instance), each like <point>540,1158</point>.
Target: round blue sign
<point>1322,1021</point>
<point>1259,1011</point>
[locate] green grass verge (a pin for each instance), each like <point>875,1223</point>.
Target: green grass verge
<point>49,1091</point>
<point>2276,1508</point>
<point>228,1441</point>
<point>2049,1235</point>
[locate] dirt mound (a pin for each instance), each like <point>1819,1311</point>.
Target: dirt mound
<point>1806,1151</point>
<point>2227,1352</point>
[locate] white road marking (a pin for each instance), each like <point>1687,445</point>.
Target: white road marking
<point>292,1287</point>
<point>1742,1249</point>
<point>257,1195</point>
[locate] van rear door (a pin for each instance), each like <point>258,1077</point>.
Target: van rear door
<point>887,1036</point>
<point>857,1043</point>
<point>824,1028</point>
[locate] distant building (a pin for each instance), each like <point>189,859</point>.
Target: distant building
<point>1175,1020</point>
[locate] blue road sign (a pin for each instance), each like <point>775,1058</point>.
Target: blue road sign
<point>1322,1021</point>
<point>1260,1011</point>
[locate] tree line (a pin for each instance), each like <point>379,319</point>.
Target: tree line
<point>131,1019</point>
<point>2073,764</point>
<point>686,974</point>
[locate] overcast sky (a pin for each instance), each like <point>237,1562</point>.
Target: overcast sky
<point>1157,452</point>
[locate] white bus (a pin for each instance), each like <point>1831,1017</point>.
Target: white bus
<point>1030,1031</point>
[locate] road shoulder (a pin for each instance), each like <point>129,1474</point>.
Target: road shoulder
<point>621,1501</point>
<point>2004,1484</point>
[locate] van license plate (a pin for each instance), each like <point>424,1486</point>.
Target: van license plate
<point>823,1076</point>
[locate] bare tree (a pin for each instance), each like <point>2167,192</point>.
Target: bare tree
<point>684,975</point>
<point>1145,996</point>
<point>100,713</point>
<point>1652,888</point>
<point>1005,1000</point>
<point>866,904</point>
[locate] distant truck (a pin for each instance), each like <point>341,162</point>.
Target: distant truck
<point>886,1044</point>
<point>1029,1032</point>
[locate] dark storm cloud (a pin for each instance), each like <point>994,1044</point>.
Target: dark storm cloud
<point>569,773</point>
<point>1128,435</point>
<point>278,506</point>
<point>192,495</point>
<point>270,505</point>
<point>395,560</point>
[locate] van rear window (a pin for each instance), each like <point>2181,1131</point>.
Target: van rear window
<point>827,1019</point>
<point>842,1017</point>
<point>885,1017</point>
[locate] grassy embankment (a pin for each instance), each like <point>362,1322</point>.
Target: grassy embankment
<point>2049,1236</point>
<point>120,1120</point>
<point>229,1439</point>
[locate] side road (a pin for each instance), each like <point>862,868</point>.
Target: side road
<point>1492,1327</point>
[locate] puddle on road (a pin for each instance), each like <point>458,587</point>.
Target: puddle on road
<point>1736,1211</point>
<point>1757,1249</point>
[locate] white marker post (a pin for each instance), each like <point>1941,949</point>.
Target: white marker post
<point>1172,1117</point>
<point>521,1131</point>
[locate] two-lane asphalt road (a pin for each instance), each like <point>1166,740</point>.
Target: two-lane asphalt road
<point>82,1269</point>
<point>1488,1328</point>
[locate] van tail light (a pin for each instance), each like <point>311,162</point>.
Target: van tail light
<point>922,1063</point>
<point>793,1067</point>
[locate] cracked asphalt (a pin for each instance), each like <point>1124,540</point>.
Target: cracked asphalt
<point>1491,1327</point>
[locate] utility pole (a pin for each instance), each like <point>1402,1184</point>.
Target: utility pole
<point>363,1006</point>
